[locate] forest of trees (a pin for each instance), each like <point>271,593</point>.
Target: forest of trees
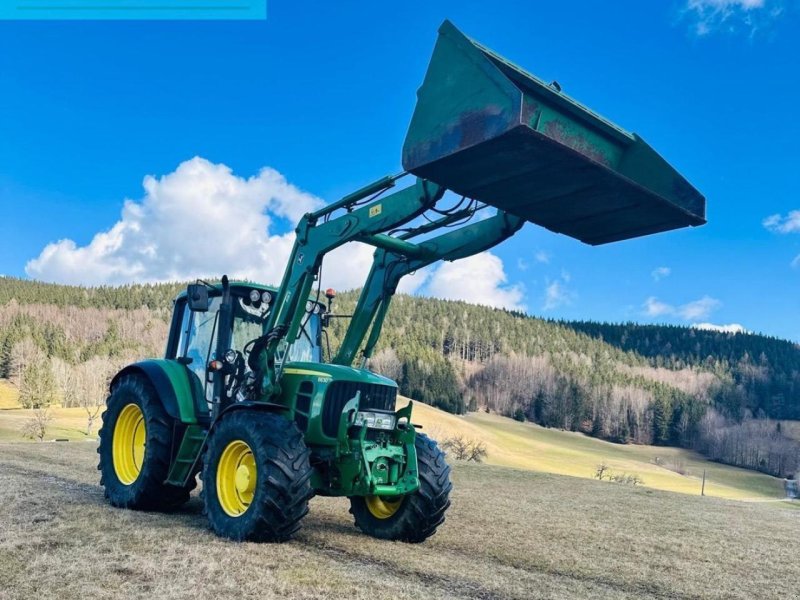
<point>625,383</point>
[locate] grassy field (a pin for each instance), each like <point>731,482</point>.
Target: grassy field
<point>528,446</point>
<point>524,446</point>
<point>510,533</point>
<point>9,396</point>
<point>67,423</point>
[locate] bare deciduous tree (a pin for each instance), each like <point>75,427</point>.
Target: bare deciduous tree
<point>23,354</point>
<point>35,428</point>
<point>752,443</point>
<point>626,479</point>
<point>387,364</point>
<point>93,379</point>
<point>461,447</point>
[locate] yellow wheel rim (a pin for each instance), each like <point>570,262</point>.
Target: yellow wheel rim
<point>382,508</point>
<point>236,478</point>
<point>128,444</point>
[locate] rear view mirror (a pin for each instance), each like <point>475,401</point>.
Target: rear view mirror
<point>197,296</point>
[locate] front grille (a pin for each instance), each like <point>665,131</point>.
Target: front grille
<point>373,397</point>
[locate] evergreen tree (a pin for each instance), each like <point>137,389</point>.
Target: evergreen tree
<point>37,386</point>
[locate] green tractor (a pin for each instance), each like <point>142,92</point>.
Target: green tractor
<point>246,398</point>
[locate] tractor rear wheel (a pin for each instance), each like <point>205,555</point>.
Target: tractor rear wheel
<point>136,449</point>
<point>256,477</point>
<point>414,517</point>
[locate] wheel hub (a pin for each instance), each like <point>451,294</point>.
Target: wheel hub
<point>128,443</point>
<point>383,508</point>
<point>236,478</point>
<point>244,480</point>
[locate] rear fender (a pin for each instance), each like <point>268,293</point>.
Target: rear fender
<point>178,389</point>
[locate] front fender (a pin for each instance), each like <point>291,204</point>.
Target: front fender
<point>178,388</point>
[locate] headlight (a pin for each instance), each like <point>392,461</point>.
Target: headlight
<point>375,420</point>
<point>255,296</point>
<point>266,297</point>
<point>230,356</point>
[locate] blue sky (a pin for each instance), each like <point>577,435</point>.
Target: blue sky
<point>321,94</point>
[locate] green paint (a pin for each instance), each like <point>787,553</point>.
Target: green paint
<point>172,381</point>
<point>487,129</point>
<point>507,120</point>
<point>186,460</point>
<point>184,391</point>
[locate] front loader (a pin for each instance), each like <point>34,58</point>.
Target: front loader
<point>245,397</point>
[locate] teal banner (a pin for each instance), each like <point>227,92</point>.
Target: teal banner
<point>132,9</point>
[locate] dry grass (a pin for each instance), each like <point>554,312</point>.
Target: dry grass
<point>9,395</point>
<point>524,446</point>
<point>509,534</point>
<point>528,446</point>
<point>67,423</point>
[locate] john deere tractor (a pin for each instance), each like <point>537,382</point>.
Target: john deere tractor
<point>246,398</point>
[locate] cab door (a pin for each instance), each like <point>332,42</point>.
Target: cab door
<point>193,343</point>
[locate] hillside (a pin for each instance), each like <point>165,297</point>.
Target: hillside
<point>724,395</point>
<point>519,445</point>
<point>535,448</point>
<point>509,534</point>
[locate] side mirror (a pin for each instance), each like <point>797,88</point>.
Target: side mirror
<point>197,296</point>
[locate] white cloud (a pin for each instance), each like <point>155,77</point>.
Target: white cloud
<point>653,307</point>
<point>699,309</point>
<point>780,224</point>
<point>201,220</point>
<point>478,279</point>
<point>732,16</point>
<point>542,257</point>
<point>556,295</point>
<point>413,281</point>
<point>796,261</point>
<point>557,292</point>
<point>724,4</point>
<point>660,273</point>
<point>731,328</point>
<point>691,311</point>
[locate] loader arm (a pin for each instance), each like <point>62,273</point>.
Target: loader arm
<point>319,233</point>
<point>389,267</point>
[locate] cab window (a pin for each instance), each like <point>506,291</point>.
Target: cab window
<point>201,341</point>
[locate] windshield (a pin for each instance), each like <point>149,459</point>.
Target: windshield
<point>250,323</point>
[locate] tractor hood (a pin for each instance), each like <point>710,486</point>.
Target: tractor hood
<point>336,373</point>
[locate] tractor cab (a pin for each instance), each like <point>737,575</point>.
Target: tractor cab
<point>194,333</point>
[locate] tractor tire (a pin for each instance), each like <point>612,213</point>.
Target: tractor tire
<point>256,477</point>
<point>136,449</point>
<point>415,517</point>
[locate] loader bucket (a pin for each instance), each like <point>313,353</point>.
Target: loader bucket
<point>489,130</point>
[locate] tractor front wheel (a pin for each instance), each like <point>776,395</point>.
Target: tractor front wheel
<point>256,477</point>
<point>414,517</point>
<point>135,449</point>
